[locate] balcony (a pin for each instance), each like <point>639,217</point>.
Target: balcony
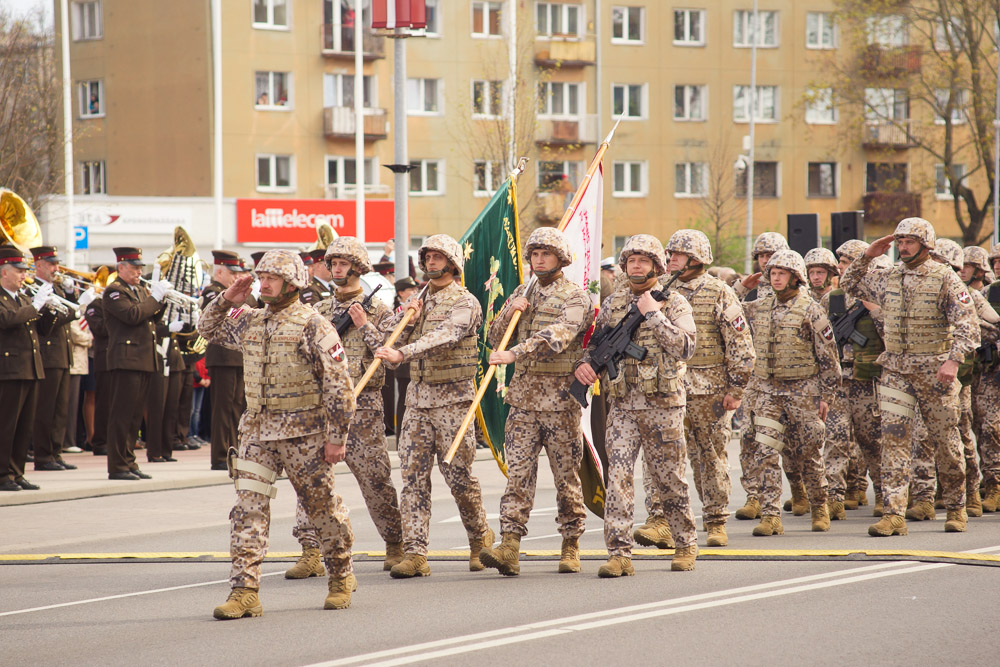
<point>880,134</point>
<point>890,62</point>
<point>888,208</point>
<point>552,132</point>
<point>563,51</point>
<point>338,42</point>
<point>350,191</point>
<point>338,123</point>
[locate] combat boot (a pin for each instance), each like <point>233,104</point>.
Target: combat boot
<point>505,557</point>
<point>393,555</point>
<point>751,510</point>
<point>938,497</point>
<point>851,499</point>
<point>340,592</point>
<point>684,558</point>
<point>863,497</point>
<point>800,501</point>
<point>412,565</point>
<point>889,524</point>
<point>717,534</point>
<point>836,509</point>
<point>974,504</point>
<point>991,497</point>
<point>922,510</point>
<point>310,564</point>
<point>879,508</point>
<point>616,566</point>
<point>769,525</point>
<point>956,521</point>
<point>476,547</point>
<point>654,533</point>
<point>242,602</point>
<point>820,518</point>
<point>569,558</point>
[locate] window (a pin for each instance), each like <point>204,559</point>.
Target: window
<point>88,21</point>
<point>270,14</point>
<point>943,187</point>
<point>557,18</point>
<point>765,180</point>
<point>820,109</point>
<point>338,90</point>
<point>629,179</point>
<point>822,179</point>
<point>487,99</point>
<point>559,99</point>
<point>885,177</point>
<point>423,96</point>
<point>820,31</point>
<point>948,34</point>
<point>765,107</point>
<point>432,18</point>
<point>91,99</point>
<point>275,173</point>
<point>628,100</point>
<point>554,176</point>
<point>690,102</point>
<point>886,104</point>
<point>886,31</point>
<point>488,177</point>
<point>273,90</point>
<point>338,26</point>
<point>743,28</point>
<point>427,177</point>
<point>942,96</point>
<point>689,27</point>
<point>92,178</point>
<point>343,171</point>
<point>690,179</point>
<point>626,25</point>
<point>486,19</point>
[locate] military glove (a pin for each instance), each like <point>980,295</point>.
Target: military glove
<point>176,326</point>
<point>87,297</point>
<point>160,289</point>
<point>41,296</point>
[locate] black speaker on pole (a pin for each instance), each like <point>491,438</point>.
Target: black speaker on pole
<point>803,232</point>
<point>846,225</point>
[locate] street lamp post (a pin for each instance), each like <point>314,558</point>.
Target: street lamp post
<point>754,29</point>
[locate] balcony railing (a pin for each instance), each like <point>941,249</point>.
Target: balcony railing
<point>887,134</point>
<point>338,122</point>
<point>888,208</point>
<point>350,190</point>
<point>891,61</point>
<point>338,41</point>
<point>566,51</point>
<point>580,130</point>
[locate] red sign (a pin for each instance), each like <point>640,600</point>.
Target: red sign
<point>399,14</point>
<point>295,220</point>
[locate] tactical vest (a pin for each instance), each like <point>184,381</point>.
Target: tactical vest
<point>865,366</point>
<point>276,376</point>
<point>916,326</point>
<point>658,373</point>
<point>546,313</point>
<point>458,363</point>
<point>359,355</point>
<point>781,352</point>
<point>708,350</point>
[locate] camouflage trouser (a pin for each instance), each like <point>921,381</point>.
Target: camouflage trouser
<point>900,395</point>
<point>986,424</point>
<point>660,433</point>
<point>965,420</point>
<point>924,470</point>
<point>750,474</point>
<point>866,425</point>
<point>527,432</point>
<point>312,477</point>
<point>853,435</point>
<point>838,444</point>
<point>789,422</point>
<point>368,458</point>
<point>426,433</point>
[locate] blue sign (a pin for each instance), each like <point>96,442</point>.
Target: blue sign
<point>81,238</point>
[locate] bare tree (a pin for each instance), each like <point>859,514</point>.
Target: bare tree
<point>721,211</point>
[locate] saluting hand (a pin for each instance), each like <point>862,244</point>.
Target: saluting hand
<point>239,291</point>
<point>751,281</point>
<point>879,247</point>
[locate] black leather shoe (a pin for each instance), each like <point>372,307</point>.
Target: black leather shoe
<point>67,466</point>
<point>100,451</point>
<point>220,466</point>
<point>9,485</point>
<point>123,476</point>
<point>156,459</point>
<point>140,474</point>
<point>49,466</point>
<point>169,459</point>
<point>26,485</point>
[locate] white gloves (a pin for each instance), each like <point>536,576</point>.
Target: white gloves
<point>176,326</point>
<point>41,296</point>
<point>68,283</point>
<point>87,297</point>
<point>255,289</point>
<point>160,289</point>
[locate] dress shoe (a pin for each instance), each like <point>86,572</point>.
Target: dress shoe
<point>140,444</point>
<point>140,474</point>
<point>169,459</point>
<point>30,458</point>
<point>100,451</point>
<point>26,485</point>
<point>67,466</point>
<point>156,459</point>
<point>49,466</point>
<point>72,450</point>
<point>123,476</point>
<point>220,466</point>
<point>9,485</point>
<point>193,443</point>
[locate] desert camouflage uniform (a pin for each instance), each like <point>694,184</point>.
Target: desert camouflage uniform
<point>986,414</point>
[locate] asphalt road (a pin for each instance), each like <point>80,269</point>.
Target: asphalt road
<point>765,611</point>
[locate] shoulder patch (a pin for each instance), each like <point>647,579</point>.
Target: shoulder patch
<point>115,296</point>
<point>827,332</point>
<point>327,342</point>
<point>738,323</point>
<point>730,314</point>
<point>236,312</point>
<point>964,297</point>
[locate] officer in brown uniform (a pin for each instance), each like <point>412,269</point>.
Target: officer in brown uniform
<point>311,294</point>
<point>441,345</point>
<point>299,407</point>
<point>556,314</point>
<point>320,276</point>
<point>162,397</point>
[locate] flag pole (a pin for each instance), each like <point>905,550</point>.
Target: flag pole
<point>410,310</point>
<point>516,317</point>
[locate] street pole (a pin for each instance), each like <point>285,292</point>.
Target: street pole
<point>67,132</point>
<point>400,157</point>
<point>359,124</point>
<point>217,118</point>
<point>512,64</point>
<point>748,261</point>
<point>996,160</point>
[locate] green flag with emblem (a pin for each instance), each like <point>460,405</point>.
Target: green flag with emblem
<point>492,271</point>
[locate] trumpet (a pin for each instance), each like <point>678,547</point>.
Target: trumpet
<point>64,306</point>
<point>98,279</point>
<point>174,296</point>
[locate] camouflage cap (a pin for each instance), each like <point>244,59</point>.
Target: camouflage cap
<point>919,229</point>
<point>284,263</point>
<point>445,245</point>
<point>948,252</point>
<point>351,249</point>
<point>648,245</point>
<point>770,242</point>
<point>852,249</point>
<point>822,257</point>
<point>554,240</point>
<point>791,261</point>
<point>693,243</point>
<point>977,257</point>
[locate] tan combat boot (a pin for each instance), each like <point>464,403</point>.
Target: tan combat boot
<point>717,534</point>
<point>476,547</point>
<point>991,497</point>
<point>654,533</point>
<point>242,602</point>
<point>569,559</point>
<point>922,510</point>
<point>889,524</point>
<point>863,497</point>
<point>751,510</point>
<point>412,565</point>
<point>938,497</point>
<point>956,521</point>
<point>393,555</point>
<point>836,510</point>
<point>616,566</point>
<point>340,592</point>
<point>505,557</point>
<point>879,507</point>
<point>800,501</point>
<point>769,525</point>
<point>820,518</point>
<point>684,558</point>
<point>851,499</point>
<point>974,504</point>
<point>310,564</point>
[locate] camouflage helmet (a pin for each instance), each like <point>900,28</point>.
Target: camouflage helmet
<point>551,239</point>
<point>995,251</point>
<point>948,252</point>
<point>693,243</point>
<point>351,249</point>
<point>284,263</point>
<point>790,260</point>
<point>644,244</point>
<point>977,257</point>
<point>919,229</point>
<point>445,245</point>
<point>852,249</point>
<point>770,242</point>
<point>823,258</point>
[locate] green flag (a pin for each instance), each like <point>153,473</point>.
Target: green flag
<point>492,271</point>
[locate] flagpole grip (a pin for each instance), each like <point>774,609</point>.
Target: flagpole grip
<point>359,387</point>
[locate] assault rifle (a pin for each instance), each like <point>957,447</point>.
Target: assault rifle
<point>343,321</point>
<point>844,327</point>
<point>610,345</point>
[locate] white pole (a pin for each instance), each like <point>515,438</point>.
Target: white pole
<point>217,117</point>
<point>68,133</point>
<point>359,123</point>
<point>755,26</point>
<point>598,85</point>
<point>400,156</point>
<point>512,85</point>
<point>996,161</point>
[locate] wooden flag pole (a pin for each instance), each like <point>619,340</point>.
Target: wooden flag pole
<point>396,333</point>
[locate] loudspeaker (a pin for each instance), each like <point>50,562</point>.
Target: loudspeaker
<point>846,225</point>
<point>803,232</point>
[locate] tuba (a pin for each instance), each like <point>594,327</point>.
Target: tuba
<point>18,225</point>
<point>324,237</point>
<point>181,265</point>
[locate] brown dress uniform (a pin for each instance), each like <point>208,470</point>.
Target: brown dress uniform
<point>162,398</point>
<point>53,390</point>
<point>227,390</point>
<point>102,395</point>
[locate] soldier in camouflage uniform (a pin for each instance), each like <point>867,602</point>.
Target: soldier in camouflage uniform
<point>299,406</point>
<point>716,377</point>
<point>441,346</point>
<point>930,327</point>
<point>647,407</point>
<point>367,454</point>
<point>556,314</point>
<point>986,405</point>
